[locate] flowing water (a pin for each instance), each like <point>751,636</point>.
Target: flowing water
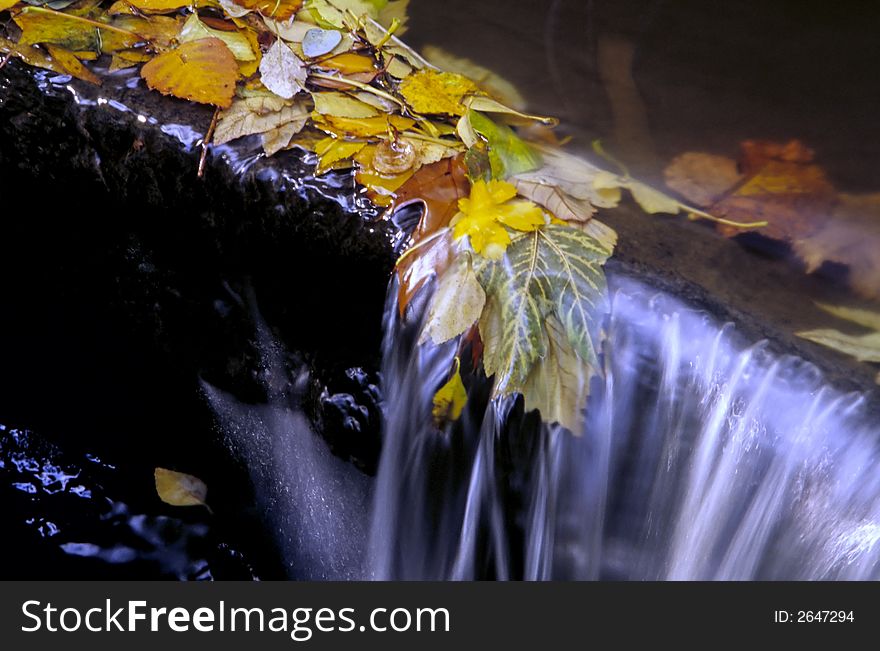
<point>703,457</point>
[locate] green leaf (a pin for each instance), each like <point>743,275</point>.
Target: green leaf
<point>508,154</point>
<point>552,272</point>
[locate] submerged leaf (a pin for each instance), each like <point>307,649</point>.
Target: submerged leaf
<point>450,399</point>
<point>180,489</point>
<point>281,71</point>
<point>202,71</point>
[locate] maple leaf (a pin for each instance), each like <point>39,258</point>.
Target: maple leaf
<point>484,214</point>
<point>202,71</point>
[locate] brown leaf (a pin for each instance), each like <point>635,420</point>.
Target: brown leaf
<point>850,237</point>
<point>701,178</point>
<point>274,9</point>
<point>202,71</point>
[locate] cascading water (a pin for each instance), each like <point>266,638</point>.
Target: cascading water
<point>702,458</point>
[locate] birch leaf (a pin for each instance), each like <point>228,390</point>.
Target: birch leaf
<point>179,489</point>
<point>281,71</point>
<point>201,71</point>
<point>450,399</point>
<point>194,29</point>
<point>457,302</point>
<point>72,65</point>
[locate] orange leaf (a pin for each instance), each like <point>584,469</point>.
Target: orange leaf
<point>274,9</point>
<point>201,71</point>
<point>350,64</point>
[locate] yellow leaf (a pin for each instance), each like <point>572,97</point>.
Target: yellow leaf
<point>161,31</point>
<point>6,4</point>
<point>194,30</point>
<point>341,105</point>
<point>332,150</point>
<point>350,63</point>
<point>40,25</point>
<point>429,91</point>
<point>485,213</point>
<point>362,127</point>
<point>457,303</point>
<point>201,71</point>
<point>487,80</point>
<point>450,399</point>
<point>159,6</point>
<point>72,65</point>
<point>180,489</point>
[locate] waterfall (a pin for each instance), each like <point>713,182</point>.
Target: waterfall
<point>704,456</point>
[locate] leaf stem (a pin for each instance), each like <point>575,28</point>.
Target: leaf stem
<point>696,212</point>
<point>206,140</point>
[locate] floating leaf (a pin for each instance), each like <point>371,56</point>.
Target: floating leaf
<point>652,201</point>
<point>40,25</point>
<point>194,30</point>
<point>489,105</point>
<point>486,214</point>
<point>432,92</point>
<point>364,127</point>
<point>561,205</point>
<point>552,271</point>
<point>508,154</point>
<point>340,105</point>
<point>281,71</point>
<point>318,42</point>
<point>180,489</point>
<point>202,71</point>
<point>450,399</point>
<point>457,302</point>
<point>350,64</point>
<point>280,137</point>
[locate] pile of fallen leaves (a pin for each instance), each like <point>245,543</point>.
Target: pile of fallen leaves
<point>508,233</point>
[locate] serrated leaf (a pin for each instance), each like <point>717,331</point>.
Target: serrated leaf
<point>194,29</point>
<point>41,25</point>
<point>281,71</point>
<point>560,204</point>
<point>509,155</point>
<point>450,399</point>
<point>457,302</point>
<point>179,489</point>
<point>553,271</point>
<point>201,71</point>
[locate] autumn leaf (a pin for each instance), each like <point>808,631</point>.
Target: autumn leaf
<point>555,271</point>
<point>485,215</point>
<point>777,183</point>
<point>508,154</point>
<point>194,30</point>
<point>180,489</point>
<point>281,71</point>
<point>432,92</point>
<point>259,113</point>
<point>159,6</point>
<point>862,347</point>
<point>350,64</point>
<point>486,79</point>
<point>363,127</point>
<point>6,4</point>
<point>334,150</point>
<point>457,302</point>
<point>341,105</point>
<point>68,61</point>
<point>450,399</point>
<point>275,9</point>
<point>201,71</point>
<point>74,33</point>
<point>850,237</point>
